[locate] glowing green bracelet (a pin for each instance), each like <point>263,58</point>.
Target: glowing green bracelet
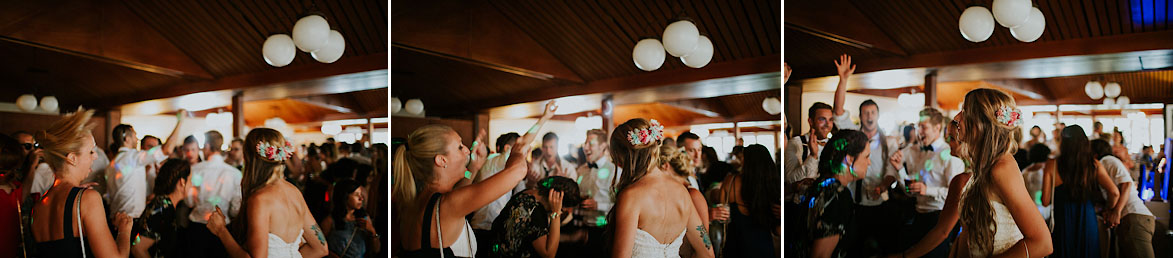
<point>534,129</point>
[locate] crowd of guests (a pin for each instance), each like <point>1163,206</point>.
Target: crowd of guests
<point>965,186</point>
<point>61,195</point>
<point>631,192</point>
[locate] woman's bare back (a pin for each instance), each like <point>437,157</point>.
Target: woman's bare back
<point>287,209</point>
<point>664,204</point>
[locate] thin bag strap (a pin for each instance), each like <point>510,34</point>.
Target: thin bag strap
<point>80,230</point>
<point>349,240</point>
<point>439,231</point>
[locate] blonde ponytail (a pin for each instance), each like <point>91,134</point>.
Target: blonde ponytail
<point>414,162</point>
<point>403,190</point>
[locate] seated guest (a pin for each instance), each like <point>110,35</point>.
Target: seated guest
<point>156,232</point>
<point>349,231</point>
<point>532,227</point>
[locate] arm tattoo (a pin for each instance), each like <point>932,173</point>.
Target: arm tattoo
<point>704,236</point>
<point>318,232</point>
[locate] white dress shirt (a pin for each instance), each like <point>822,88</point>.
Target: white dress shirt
<point>934,168</point>
<point>540,170</point>
<point>1120,175</point>
<point>877,170</point>
<point>42,178</point>
<point>126,181</point>
<point>483,217</point>
<point>214,183</point>
<point>596,182</point>
<point>798,168</point>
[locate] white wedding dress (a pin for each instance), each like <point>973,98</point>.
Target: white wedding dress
<point>1006,232</point>
<point>646,246</point>
<point>278,248</point>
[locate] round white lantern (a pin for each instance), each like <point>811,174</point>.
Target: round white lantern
<point>1032,29</point>
<point>49,103</point>
<point>702,55</point>
<point>976,24</point>
<point>648,55</point>
<point>311,33</point>
<point>1109,102</point>
<point>26,102</point>
<point>414,106</point>
<point>331,129</point>
<point>396,105</point>
<point>1123,100</point>
<point>772,106</point>
<point>1011,13</point>
<point>1094,90</point>
<point>278,50</point>
<point>1112,90</point>
<point>333,50</point>
<point>680,38</point>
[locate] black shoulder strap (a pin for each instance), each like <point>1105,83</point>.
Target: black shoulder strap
<point>67,226</point>
<point>425,227</point>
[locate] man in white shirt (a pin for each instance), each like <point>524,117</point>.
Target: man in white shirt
<point>126,182</point>
<point>803,152</point>
<point>214,184</point>
<point>1133,221</point>
<point>597,175</point>
<point>927,170</point>
<point>550,164</point>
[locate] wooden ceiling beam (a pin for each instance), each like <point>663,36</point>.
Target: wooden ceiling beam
<point>849,26</point>
<point>1032,88</point>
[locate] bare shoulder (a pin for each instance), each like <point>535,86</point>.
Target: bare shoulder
<point>1006,167</point>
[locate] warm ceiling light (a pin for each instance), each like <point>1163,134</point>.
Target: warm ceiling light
<point>396,105</point>
<point>311,33</point>
<point>1094,90</point>
<point>976,24</point>
<point>702,55</point>
<point>26,102</point>
<point>1032,29</point>
<point>332,51</point>
<point>680,38</point>
<point>1112,90</point>
<point>414,106</point>
<point>648,55</point>
<point>49,103</point>
<point>278,50</point>
<point>1012,13</point>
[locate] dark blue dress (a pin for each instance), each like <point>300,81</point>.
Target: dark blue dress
<point>1076,231</point>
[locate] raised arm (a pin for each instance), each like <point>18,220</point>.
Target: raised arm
<point>1008,184</point>
<point>179,131</point>
<point>845,68</point>
<point>97,234</point>
<point>949,217</point>
<point>547,246</point>
<point>465,200</point>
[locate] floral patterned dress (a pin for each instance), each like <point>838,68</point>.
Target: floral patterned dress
<point>827,209</point>
<point>158,222</point>
<point>521,222</point>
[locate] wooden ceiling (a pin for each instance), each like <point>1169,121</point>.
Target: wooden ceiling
<point>924,34</point>
<point>723,109</point>
<point>310,111</point>
<point>496,53</point>
<point>109,53</point>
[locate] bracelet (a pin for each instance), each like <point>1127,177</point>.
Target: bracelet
<point>534,129</point>
<point>554,215</point>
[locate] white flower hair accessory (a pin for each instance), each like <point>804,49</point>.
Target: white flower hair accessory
<point>275,153</point>
<point>643,136</point>
<point>1009,116</point>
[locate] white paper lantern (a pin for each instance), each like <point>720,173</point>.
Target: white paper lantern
<point>396,105</point>
<point>976,24</point>
<point>1109,102</point>
<point>1112,90</point>
<point>333,50</point>
<point>331,129</point>
<point>49,103</point>
<point>680,38</point>
<point>648,55</point>
<point>772,106</point>
<point>278,50</point>
<point>1094,90</point>
<point>1032,29</point>
<point>1123,100</point>
<point>702,55</point>
<point>26,102</point>
<point>1012,13</point>
<point>311,33</point>
<point>414,106</point>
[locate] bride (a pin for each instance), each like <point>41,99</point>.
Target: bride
<point>274,209</point>
<point>654,214</point>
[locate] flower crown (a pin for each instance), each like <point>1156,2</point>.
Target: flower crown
<point>643,136</point>
<point>1009,116</point>
<point>275,153</point>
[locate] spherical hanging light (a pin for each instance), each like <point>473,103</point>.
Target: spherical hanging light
<point>1109,102</point>
<point>278,50</point>
<point>331,129</point>
<point>1112,90</point>
<point>414,106</point>
<point>1123,100</point>
<point>311,33</point>
<point>396,105</point>
<point>772,106</point>
<point>333,50</point>
<point>680,38</point>
<point>976,24</point>
<point>1012,13</point>
<point>702,55</point>
<point>26,102</point>
<point>1094,90</point>
<point>1032,29</point>
<point>49,103</point>
<point>648,54</point>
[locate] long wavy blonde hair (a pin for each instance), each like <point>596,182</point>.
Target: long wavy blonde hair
<point>984,141</point>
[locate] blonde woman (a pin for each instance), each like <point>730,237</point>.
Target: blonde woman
<point>997,213</point>
<point>69,149</point>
